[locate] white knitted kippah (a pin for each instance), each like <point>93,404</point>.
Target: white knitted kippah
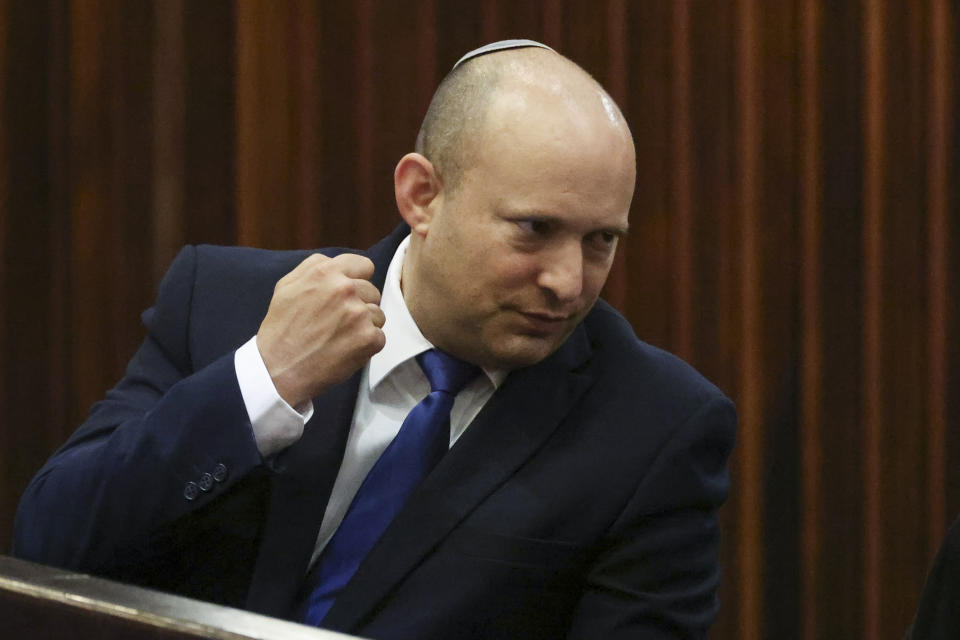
<point>500,45</point>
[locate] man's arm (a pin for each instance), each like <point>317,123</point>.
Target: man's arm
<point>172,436</point>
<point>143,452</point>
<point>658,572</point>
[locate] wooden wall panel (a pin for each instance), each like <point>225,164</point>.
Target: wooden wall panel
<point>748,469</point>
<point>32,259</point>
<point>937,138</point>
<point>791,235</point>
<point>8,477</point>
<point>810,284</point>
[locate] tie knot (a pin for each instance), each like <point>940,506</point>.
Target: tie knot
<point>445,372</point>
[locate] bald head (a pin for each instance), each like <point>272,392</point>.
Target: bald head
<point>529,83</point>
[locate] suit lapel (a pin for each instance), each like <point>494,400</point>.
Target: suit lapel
<point>306,473</point>
<point>299,494</point>
<point>511,427</point>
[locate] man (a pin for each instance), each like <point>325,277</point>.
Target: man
<point>578,496</point>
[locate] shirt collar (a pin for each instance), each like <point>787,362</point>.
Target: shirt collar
<point>403,338</point>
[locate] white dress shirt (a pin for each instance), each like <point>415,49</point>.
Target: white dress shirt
<point>391,384</point>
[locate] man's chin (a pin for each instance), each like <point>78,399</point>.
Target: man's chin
<point>525,351</point>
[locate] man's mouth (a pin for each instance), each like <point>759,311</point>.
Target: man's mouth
<point>544,322</point>
<point>546,316</point>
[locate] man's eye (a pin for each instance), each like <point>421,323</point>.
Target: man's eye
<point>603,240</point>
<point>535,227</point>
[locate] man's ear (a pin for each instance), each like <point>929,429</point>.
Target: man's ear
<point>416,186</point>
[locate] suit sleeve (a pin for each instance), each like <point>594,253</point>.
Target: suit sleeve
<point>657,573</point>
<point>164,442</point>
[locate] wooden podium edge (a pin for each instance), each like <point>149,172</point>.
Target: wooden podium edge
<point>148,607</point>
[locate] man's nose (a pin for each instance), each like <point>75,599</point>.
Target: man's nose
<point>562,272</point>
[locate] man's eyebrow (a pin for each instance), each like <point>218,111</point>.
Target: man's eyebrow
<point>617,230</point>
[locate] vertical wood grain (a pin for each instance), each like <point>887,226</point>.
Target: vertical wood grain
<point>872,396</point>
<point>751,445</point>
<point>31,269</point>
<point>93,105</point>
<point>682,191</point>
<point>811,380</point>
<point>364,113</point>
<point>553,23</point>
<point>616,84</point>
<point>489,21</point>
<point>791,234</point>
<point>61,412</point>
<point>249,119</point>
<point>266,186</point>
<point>840,568</point>
<point>8,478</point>
<point>428,75</point>
<point>210,136</point>
<point>309,116</point>
<point>939,135</point>
<point>647,249</point>
<point>394,123</point>
<point>169,113</point>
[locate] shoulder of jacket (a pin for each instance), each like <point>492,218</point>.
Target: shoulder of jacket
<point>632,361</point>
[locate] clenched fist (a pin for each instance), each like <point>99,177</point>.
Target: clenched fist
<point>324,322</point>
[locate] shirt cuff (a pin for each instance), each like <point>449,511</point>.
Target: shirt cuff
<point>276,425</point>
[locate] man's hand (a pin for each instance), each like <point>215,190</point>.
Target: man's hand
<point>324,323</point>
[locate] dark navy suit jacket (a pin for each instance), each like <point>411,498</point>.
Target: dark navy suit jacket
<point>580,503</point>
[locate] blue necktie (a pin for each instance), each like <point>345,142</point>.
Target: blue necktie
<point>422,440</point>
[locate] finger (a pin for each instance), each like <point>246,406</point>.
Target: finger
<point>354,265</point>
<point>366,291</point>
<point>376,314</point>
<point>307,266</point>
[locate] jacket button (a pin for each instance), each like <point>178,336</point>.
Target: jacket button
<point>191,491</point>
<point>206,482</point>
<point>220,472</point>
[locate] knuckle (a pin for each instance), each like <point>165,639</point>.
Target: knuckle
<point>344,288</point>
<point>281,287</point>
<point>309,265</point>
<point>355,312</point>
<point>320,269</point>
